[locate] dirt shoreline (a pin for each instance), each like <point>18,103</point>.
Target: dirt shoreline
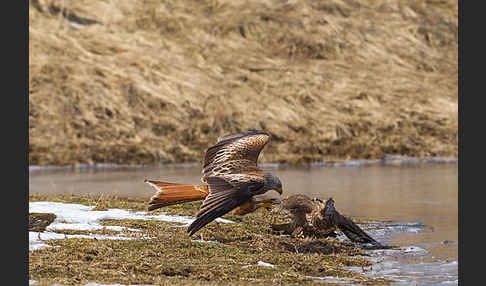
<point>149,82</point>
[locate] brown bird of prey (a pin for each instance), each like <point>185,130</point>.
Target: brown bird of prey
<point>230,176</point>
<point>313,217</point>
<point>325,216</point>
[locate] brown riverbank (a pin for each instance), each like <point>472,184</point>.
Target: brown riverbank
<point>153,81</point>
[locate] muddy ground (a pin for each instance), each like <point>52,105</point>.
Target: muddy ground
<point>142,82</point>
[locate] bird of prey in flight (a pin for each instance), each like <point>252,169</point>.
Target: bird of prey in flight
<point>231,180</point>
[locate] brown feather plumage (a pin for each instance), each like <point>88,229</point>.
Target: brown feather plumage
<point>318,218</point>
<point>230,169</point>
<point>231,177</point>
<point>171,194</point>
<point>235,154</point>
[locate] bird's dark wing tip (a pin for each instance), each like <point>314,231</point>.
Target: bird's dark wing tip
<point>190,232</point>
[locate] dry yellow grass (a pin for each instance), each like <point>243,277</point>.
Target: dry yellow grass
<point>159,81</point>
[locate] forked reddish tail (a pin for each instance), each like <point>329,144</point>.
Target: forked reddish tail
<point>171,194</point>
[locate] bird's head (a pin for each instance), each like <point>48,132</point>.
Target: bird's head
<point>273,183</point>
<point>330,204</point>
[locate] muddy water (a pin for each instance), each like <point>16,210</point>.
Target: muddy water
<point>420,203</point>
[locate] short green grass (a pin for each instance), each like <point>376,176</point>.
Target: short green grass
<point>170,257</point>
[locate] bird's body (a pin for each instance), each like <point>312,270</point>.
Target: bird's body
<point>317,218</point>
<point>299,206</point>
<point>322,220</point>
<point>231,179</point>
<point>169,194</point>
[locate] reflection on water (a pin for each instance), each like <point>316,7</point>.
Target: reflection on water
<point>425,193</point>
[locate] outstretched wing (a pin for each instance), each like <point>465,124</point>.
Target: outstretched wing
<point>235,154</point>
<point>352,230</point>
<point>223,197</point>
<point>346,225</point>
<point>231,172</point>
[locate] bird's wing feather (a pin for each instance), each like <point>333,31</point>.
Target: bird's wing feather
<point>346,225</point>
<point>352,230</point>
<point>235,154</point>
<point>231,172</point>
<point>223,198</point>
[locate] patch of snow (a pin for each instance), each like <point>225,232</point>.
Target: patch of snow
<point>261,263</point>
<point>34,242</point>
<point>205,241</point>
<point>81,217</point>
<point>85,216</point>
<point>87,227</point>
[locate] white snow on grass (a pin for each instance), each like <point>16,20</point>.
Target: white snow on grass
<point>81,217</point>
<point>205,241</point>
<point>87,226</point>
<point>260,263</point>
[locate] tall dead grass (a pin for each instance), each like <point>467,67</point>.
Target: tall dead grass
<point>159,81</point>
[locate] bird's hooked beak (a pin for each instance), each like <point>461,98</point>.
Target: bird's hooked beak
<point>279,190</point>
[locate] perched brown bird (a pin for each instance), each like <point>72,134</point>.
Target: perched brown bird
<point>231,179</point>
<point>313,217</point>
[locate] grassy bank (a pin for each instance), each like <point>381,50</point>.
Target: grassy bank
<point>159,81</point>
<point>169,257</point>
